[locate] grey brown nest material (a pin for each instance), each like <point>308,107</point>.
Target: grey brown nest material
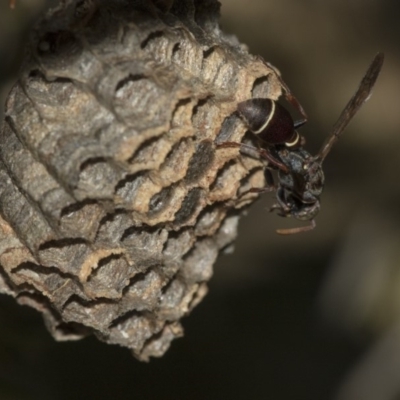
<point>114,198</point>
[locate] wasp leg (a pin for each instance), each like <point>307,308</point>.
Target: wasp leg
<point>289,96</point>
<point>266,189</point>
<point>270,187</point>
<point>262,153</point>
<point>301,229</point>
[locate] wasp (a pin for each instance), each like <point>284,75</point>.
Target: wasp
<point>300,177</point>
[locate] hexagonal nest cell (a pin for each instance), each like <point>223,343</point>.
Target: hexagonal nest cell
<point>114,198</point>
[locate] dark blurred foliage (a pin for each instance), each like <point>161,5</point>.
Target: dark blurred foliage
<point>312,316</point>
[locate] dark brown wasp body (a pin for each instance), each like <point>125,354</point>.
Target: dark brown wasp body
<point>300,176</point>
<point>270,121</point>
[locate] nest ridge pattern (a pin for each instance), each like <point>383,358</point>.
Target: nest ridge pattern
<point>114,199</point>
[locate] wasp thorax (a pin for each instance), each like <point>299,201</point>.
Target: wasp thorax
<point>269,120</point>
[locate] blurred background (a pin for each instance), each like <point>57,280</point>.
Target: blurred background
<point>309,316</point>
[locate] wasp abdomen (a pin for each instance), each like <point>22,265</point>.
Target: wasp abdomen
<point>269,120</point>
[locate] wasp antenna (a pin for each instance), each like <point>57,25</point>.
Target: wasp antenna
<point>362,94</point>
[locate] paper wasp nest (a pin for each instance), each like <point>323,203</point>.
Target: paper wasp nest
<point>114,199</point>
